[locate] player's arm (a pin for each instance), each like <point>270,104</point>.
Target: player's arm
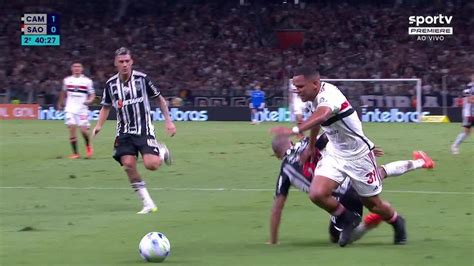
<point>104,111</point>
<point>90,94</point>
<point>103,115</point>
<point>154,93</point>
<point>321,114</point>
<point>275,218</point>
<point>170,127</point>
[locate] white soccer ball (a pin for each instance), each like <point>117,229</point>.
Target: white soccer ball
<point>154,247</point>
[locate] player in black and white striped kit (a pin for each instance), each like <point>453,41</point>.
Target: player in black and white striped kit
<point>130,93</point>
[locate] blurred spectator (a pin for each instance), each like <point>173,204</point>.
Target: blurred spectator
<point>217,48</point>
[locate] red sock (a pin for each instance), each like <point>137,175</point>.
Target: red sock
<point>372,220</point>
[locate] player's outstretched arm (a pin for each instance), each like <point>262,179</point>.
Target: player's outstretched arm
<point>103,114</point>
<point>170,127</point>
<point>321,114</point>
<point>275,218</point>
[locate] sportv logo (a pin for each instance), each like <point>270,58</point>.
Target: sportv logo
<point>424,29</point>
<point>393,115</point>
<point>420,20</point>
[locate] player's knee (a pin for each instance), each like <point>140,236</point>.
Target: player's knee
<point>153,164</point>
<point>128,166</point>
<point>316,195</point>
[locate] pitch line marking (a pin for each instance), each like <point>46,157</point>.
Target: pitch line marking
<point>224,189</point>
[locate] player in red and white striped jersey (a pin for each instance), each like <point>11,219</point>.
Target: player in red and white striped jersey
<point>348,155</point>
<point>79,92</point>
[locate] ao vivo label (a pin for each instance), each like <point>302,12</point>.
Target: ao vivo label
<point>392,115</point>
<point>18,111</point>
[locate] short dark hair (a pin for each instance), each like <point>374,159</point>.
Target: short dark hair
<point>122,51</point>
<point>306,71</point>
<point>278,144</point>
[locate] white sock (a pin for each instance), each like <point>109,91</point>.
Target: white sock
<point>400,167</point>
<point>142,193</point>
<point>462,136</point>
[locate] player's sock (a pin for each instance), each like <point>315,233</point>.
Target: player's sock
<point>349,220</point>
<point>398,224</point>
<point>140,189</point>
<point>86,138</point>
<point>73,142</point>
<point>400,167</point>
<point>460,138</point>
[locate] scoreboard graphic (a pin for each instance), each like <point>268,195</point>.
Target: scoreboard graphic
<point>40,30</point>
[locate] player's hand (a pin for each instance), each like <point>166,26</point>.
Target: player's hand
<point>170,128</point>
<point>284,131</point>
<point>96,131</point>
<point>59,107</point>
<point>378,152</point>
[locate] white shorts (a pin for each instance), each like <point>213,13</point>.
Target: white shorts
<point>81,120</point>
<point>362,171</point>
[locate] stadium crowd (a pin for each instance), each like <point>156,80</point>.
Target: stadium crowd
<point>221,48</point>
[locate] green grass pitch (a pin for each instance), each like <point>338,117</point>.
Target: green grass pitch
<point>56,211</point>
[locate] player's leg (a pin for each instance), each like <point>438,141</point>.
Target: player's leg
<point>129,163</point>
<point>368,185</point>
<point>153,152</point>
<point>327,179</point>
<point>467,124</point>
<point>348,197</point>
<point>397,168</point>
<point>84,126</point>
<point>253,114</point>
<point>369,222</point>
<point>70,121</point>
<point>125,152</point>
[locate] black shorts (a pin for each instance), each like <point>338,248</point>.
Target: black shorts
<point>133,144</point>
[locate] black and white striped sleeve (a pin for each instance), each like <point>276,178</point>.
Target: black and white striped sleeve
<point>283,184</point>
<point>106,99</point>
<point>151,89</point>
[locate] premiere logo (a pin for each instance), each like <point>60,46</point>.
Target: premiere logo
<point>430,28</point>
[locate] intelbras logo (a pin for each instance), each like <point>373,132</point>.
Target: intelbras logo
<point>392,115</point>
<point>430,28</point>
<point>178,115</point>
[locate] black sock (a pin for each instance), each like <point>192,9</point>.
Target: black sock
<point>86,138</point>
<point>73,144</point>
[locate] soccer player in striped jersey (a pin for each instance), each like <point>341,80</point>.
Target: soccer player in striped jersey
<point>130,92</point>
<point>79,93</point>
<point>294,174</point>
<point>467,116</point>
